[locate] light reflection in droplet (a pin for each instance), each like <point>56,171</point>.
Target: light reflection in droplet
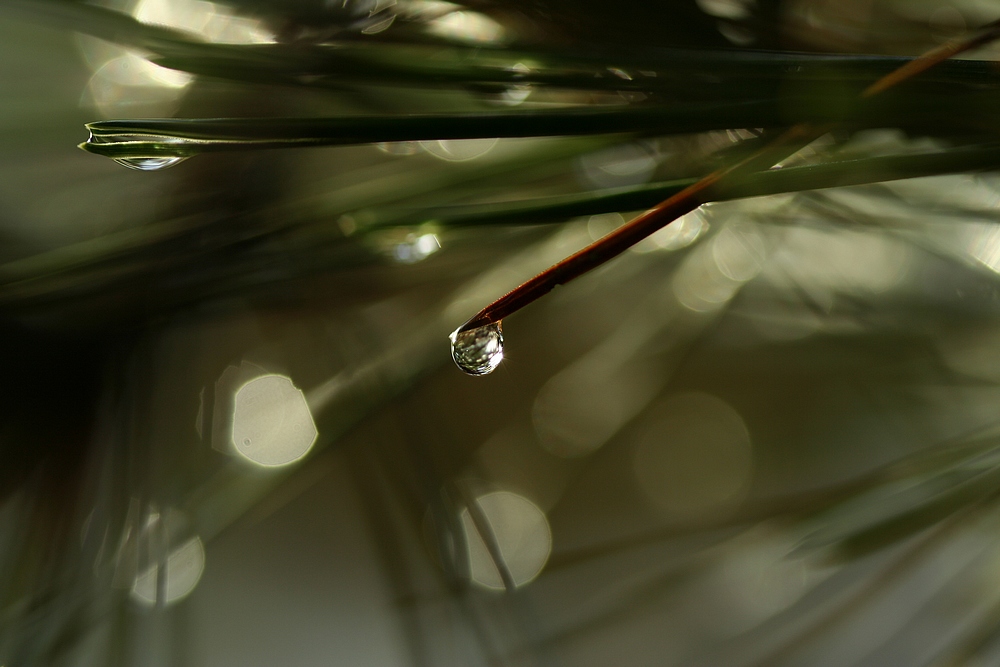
<point>271,423</point>
<point>694,457</point>
<point>416,248</point>
<point>519,530</point>
<point>166,151</point>
<point>149,163</point>
<point>478,351</point>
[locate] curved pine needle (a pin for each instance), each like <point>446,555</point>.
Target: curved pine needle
<point>693,196</point>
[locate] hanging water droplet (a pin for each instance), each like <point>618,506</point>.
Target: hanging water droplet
<point>143,152</point>
<point>478,351</point>
<point>149,163</point>
<point>416,248</point>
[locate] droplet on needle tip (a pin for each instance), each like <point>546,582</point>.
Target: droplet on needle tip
<point>143,152</point>
<point>478,351</point>
<point>149,163</point>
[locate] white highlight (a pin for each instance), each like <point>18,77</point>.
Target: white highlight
<point>272,424</point>
<point>521,532</point>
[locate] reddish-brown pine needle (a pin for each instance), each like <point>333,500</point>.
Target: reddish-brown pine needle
<point>687,200</point>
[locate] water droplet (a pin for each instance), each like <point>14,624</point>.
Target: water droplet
<point>478,351</point>
<point>149,163</point>
<point>143,152</point>
<point>416,248</point>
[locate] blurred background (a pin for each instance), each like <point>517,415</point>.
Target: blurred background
<point>233,435</point>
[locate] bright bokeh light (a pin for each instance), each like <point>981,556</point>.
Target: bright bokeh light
<point>516,94</point>
<point>124,80</point>
<point>398,147</point>
<point>620,166</point>
<point>821,266</point>
<point>584,405</point>
<point>712,274</point>
<point>599,226</point>
<point>272,424</point>
<point>210,21</point>
<point>734,10</point>
<point>983,243</point>
<point>739,252</point>
<point>183,570</point>
<point>678,234</point>
<point>694,457</point>
<point>760,577</point>
<point>459,150</point>
<point>520,531</point>
<point>381,25</point>
<point>426,10</point>
<point>512,459</point>
<point>416,248</point>
<point>466,26</point>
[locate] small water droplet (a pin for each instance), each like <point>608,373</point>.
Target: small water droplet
<point>416,248</point>
<point>143,152</point>
<point>149,163</point>
<point>478,351</point>
<point>247,442</point>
